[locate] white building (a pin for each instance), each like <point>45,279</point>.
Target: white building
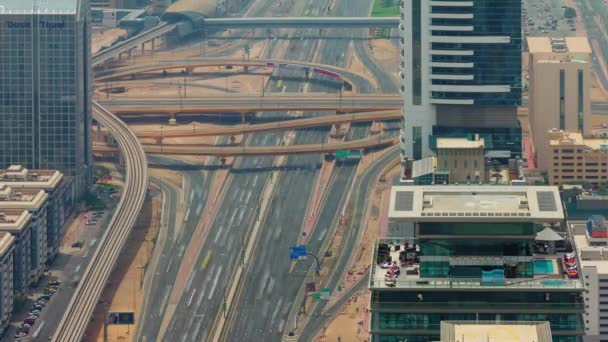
<point>461,68</point>
<point>6,279</point>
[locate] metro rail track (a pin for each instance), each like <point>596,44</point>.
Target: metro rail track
<point>78,312</point>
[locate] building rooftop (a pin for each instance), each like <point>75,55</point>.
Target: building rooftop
<point>483,203</point>
<point>6,241</point>
<point>39,6</point>
<point>459,143</point>
<point>593,251</point>
<point>17,176</point>
<point>14,220</point>
<point>30,199</point>
<point>572,45</point>
<point>484,331</point>
<point>558,138</point>
<point>548,278</point>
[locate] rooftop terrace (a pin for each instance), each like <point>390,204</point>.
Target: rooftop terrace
<point>549,275</point>
<point>18,176</point>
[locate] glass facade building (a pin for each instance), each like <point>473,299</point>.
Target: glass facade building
<point>470,260</point>
<point>44,87</point>
<point>461,67</point>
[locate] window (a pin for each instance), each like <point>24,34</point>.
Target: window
<point>455,164</point>
<point>417,52</point>
<point>562,96</point>
<point>581,94</point>
<point>475,163</point>
<point>465,164</point>
<point>417,146</point>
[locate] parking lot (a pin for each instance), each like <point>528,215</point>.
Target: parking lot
<point>546,18</point>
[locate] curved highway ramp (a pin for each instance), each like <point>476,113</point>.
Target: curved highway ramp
<point>76,317</point>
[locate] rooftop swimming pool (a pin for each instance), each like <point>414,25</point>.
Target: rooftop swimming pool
<point>543,267</point>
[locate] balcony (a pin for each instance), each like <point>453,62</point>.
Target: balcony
<point>480,307</point>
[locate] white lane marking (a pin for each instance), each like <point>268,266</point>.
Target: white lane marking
<point>93,242</point>
<point>85,254</point>
<point>217,276</point>
<point>165,299</point>
<point>189,283</point>
<point>217,236</point>
<point>169,265</point>
<point>187,214</point>
<point>276,311</point>
<point>38,330</point>
<point>199,208</point>
<point>77,269</point>
<point>191,296</point>
<point>249,193</point>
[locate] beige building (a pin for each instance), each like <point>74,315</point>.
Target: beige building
<point>59,199</point>
<point>559,86</point>
<point>575,158</point>
<point>35,202</point>
<point>17,223</point>
<point>463,157</point>
<point>6,279</point>
<point>495,331</point>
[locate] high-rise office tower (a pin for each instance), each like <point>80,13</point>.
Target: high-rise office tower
<point>44,87</point>
<point>478,253</point>
<point>461,72</point>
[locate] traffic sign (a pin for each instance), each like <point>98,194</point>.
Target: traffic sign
<point>310,287</point>
<point>121,318</point>
<point>298,252</point>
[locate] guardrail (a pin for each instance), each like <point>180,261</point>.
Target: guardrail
<point>72,326</point>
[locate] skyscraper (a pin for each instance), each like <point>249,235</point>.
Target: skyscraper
<point>44,87</point>
<point>461,69</point>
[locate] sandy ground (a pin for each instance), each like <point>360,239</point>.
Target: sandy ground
<point>124,289</point>
<point>105,37</point>
<point>387,55</point>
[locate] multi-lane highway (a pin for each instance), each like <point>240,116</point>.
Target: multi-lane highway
<point>77,314</point>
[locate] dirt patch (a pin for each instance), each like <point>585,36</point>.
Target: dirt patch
<point>123,292</point>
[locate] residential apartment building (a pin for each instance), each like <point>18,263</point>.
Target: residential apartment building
<point>460,71</point>
<point>35,202</point>
<point>473,257</point>
<point>575,158</point>
<point>6,279</point>
<point>593,251</point>
<point>18,222</point>
<point>60,201</point>
<point>45,88</point>
<point>560,78</point>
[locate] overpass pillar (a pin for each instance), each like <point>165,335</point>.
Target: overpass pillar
<point>98,131</point>
<point>152,43</point>
<point>121,159</point>
<point>143,48</point>
<point>110,140</point>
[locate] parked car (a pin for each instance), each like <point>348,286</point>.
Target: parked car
<point>77,244</point>
<point>30,319</point>
<point>54,282</point>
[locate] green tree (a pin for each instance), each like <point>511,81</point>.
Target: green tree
<point>569,13</point>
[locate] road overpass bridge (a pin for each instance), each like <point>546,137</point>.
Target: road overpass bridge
<point>226,151</point>
<point>244,103</point>
<point>191,131</point>
<point>300,22</point>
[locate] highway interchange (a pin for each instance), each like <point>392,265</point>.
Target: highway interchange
<point>271,290</point>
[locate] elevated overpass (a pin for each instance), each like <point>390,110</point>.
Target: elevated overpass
<point>80,308</point>
<point>244,103</point>
<point>225,151</point>
<point>185,131</point>
<point>300,22</point>
<point>131,43</point>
